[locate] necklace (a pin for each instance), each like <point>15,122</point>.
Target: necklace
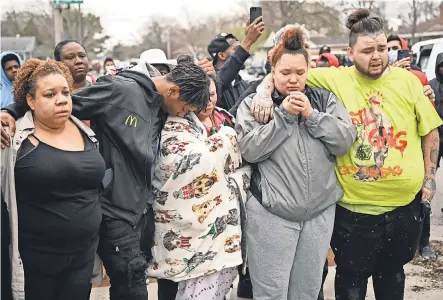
<point>213,128</point>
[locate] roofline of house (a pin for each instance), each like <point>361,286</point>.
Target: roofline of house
<point>421,34</point>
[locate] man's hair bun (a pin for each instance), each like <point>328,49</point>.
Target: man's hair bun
<point>357,16</point>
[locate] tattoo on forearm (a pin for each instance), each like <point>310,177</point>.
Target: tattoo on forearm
<point>433,170</point>
<point>429,183</point>
<point>434,156</point>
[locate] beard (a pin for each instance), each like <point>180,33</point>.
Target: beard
<point>364,70</point>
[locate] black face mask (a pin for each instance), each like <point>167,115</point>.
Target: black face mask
<point>268,67</point>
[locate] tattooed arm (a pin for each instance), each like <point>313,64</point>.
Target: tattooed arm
<point>430,145</point>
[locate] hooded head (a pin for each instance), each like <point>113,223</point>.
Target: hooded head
<point>439,68</point>
<point>11,62</point>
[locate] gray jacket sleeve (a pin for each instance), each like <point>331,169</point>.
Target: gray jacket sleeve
<point>258,141</point>
<point>333,127</point>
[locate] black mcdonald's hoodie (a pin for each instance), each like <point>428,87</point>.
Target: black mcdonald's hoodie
<point>127,117</point>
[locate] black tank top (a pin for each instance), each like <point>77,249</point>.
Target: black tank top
<point>58,196</point>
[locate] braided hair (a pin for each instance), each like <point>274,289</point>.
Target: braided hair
<point>31,71</point>
<point>192,81</point>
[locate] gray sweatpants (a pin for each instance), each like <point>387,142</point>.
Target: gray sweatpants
<point>286,258</point>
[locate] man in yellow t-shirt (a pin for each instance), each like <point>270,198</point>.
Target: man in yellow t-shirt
<point>389,173</point>
<point>388,177</point>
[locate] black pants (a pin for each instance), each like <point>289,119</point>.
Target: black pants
<point>426,231</point>
<point>54,276</point>
<point>378,246</point>
<point>167,289</point>
<point>125,251</point>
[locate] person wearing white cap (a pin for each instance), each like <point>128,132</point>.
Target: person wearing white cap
<point>157,58</point>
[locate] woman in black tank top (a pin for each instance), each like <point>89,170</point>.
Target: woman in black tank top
<point>58,173</point>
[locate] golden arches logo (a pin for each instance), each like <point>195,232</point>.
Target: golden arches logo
<point>131,119</point>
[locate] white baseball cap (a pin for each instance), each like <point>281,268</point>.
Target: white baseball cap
<point>156,57</point>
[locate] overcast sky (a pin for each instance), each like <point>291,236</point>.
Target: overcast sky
<point>122,19</point>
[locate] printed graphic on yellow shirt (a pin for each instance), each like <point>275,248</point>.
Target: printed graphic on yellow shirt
<point>376,137</point>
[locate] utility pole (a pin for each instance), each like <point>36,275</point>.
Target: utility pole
<point>168,44</point>
<point>58,22</point>
<point>81,23</point>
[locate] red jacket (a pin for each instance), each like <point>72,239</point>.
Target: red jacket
<point>332,59</point>
<point>422,76</point>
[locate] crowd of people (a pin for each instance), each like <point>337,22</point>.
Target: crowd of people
<point>189,174</point>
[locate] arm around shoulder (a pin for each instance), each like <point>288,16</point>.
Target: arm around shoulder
<point>333,127</point>
<point>92,102</point>
<point>258,141</point>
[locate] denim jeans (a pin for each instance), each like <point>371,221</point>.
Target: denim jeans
<point>375,245</point>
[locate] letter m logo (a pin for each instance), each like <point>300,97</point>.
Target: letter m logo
<point>131,121</point>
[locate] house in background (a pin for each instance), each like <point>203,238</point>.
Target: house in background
<point>23,46</point>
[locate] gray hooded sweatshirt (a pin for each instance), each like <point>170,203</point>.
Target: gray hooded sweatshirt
<point>294,157</point>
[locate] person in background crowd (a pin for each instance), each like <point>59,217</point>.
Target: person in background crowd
<point>327,60</point>
<point>51,178</point>
<point>74,56</point>
<point>290,216</point>
<point>133,63</point>
<point>324,49</point>
<point>108,65</point>
<point>437,86</point>
<point>386,185</point>
<point>157,58</point>
<point>206,222</point>
<point>225,46</point>
<point>11,63</point>
<point>348,62</point>
<point>123,108</point>
<point>396,43</point>
<point>96,70</point>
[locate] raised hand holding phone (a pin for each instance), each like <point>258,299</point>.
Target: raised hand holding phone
<point>254,29</point>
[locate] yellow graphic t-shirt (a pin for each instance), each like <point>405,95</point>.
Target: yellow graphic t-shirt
<point>385,167</point>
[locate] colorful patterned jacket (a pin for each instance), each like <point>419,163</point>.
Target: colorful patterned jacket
<point>200,189</point>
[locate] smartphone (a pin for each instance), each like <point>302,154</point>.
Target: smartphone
<point>404,53</point>
<point>255,12</point>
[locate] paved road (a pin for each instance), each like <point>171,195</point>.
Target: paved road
<point>413,280</point>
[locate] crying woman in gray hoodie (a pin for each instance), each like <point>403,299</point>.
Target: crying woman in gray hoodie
<point>294,190</point>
